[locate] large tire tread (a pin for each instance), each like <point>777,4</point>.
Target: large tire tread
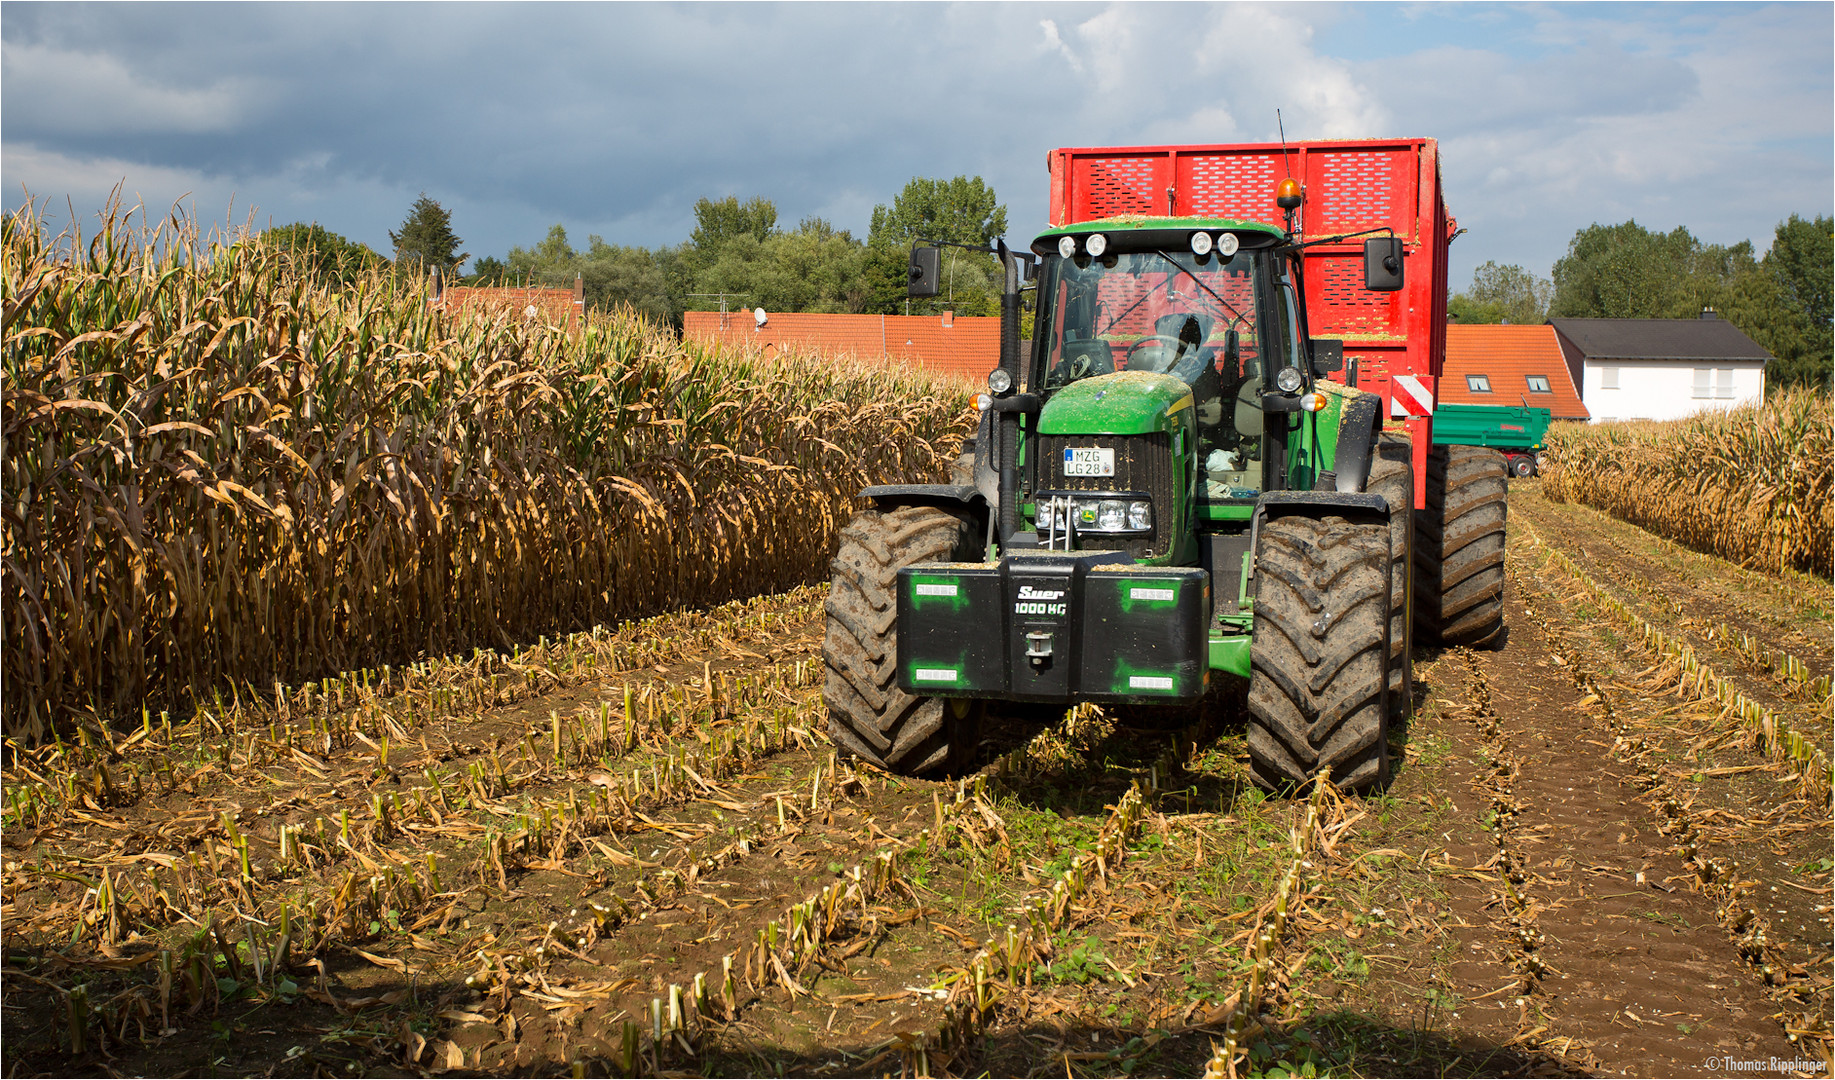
<point>1459,547</point>
<point>869,716</point>
<point>1392,477</point>
<point>1318,675</point>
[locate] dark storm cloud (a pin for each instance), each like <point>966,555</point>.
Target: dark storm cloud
<point>615,118</point>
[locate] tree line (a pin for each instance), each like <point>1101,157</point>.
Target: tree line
<point>739,256</point>
<point>1781,300</point>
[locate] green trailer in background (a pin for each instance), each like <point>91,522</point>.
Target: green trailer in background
<point>1515,431</point>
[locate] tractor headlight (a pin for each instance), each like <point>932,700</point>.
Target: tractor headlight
<point>1227,244</point>
<point>1067,246</point>
<point>1200,243</point>
<point>1000,380</point>
<point>1094,513</point>
<point>1096,244</point>
<point>1289,379</point>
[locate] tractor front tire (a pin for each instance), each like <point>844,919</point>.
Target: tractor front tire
<point>1459,547</point>
<point>1318,678</point>
<point>1392,477</point>
<point>869,716</point>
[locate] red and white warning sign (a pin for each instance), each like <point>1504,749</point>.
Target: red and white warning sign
<point>1411,395</point>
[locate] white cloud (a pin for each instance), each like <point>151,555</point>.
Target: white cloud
<point>89,93</point>
<point>89,181</point>
<point>1055,44</point>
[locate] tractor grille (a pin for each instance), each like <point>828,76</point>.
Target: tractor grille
<point>1143,463</point>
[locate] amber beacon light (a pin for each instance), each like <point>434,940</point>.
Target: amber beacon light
<point>1287,194</point>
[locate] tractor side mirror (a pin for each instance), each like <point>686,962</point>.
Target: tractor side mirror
<point>1383,263</point>
<point>1028,271</point>
<point>1328,355</point>
<point>924,272</point>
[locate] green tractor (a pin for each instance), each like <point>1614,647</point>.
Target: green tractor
<point>1167,488</point>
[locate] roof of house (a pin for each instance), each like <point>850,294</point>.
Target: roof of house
<point>960,345</point>
<point>1507,355</point>
<point>555,305</point>
<point>1659,339</point>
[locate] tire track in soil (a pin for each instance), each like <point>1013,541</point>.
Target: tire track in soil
<point>1488,975</point>
<point>1701,589</point>
<point>1628,962</point>
<point>1743,839</point>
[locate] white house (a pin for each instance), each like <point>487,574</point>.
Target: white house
<point>1660,369</point>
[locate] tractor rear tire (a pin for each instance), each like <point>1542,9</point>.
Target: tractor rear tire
<point>1392,477</point>
<point>1317,683</point>
<point>869,716</point>
<point>1459,547</point>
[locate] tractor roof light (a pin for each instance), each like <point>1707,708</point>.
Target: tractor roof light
<point>1067,246</point>
<point>1287,194</point>
<point>1201,243</point>
<point>1096,244</point>
<point>1227,243</point>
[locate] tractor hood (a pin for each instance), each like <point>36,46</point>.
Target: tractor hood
<point>1125,403</point>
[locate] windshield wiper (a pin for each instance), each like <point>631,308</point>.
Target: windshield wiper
<point>1235,316</point>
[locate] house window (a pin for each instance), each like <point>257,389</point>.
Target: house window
<point>1723,383</point>
<point>1478,384</point>
<point>1538,384</point>
<point>1608,378</point>
<point>1703,380</point>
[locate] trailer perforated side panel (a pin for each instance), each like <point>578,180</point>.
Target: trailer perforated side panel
<point>1358,190</point>
<point>1120,185</point>
<point>1230,186</point>
<point>1339,303</point>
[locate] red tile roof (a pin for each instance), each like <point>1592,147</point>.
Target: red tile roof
<point>965,346</point>
<point>1507,356</point>
<point>560,306</point>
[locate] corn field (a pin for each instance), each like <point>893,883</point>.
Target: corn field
<point>221,475</point>
<point>1751,484</point>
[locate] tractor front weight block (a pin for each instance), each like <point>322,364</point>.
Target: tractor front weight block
<point>1054,627</point>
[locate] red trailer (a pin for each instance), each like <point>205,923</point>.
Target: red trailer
<point>1394,342</point>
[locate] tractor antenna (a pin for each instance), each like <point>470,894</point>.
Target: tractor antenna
<point>1279,123</point>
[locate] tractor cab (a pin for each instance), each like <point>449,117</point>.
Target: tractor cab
<point>1202,302</point>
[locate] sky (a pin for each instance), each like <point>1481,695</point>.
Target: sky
<point>613,119</point>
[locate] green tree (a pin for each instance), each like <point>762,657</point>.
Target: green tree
<point>1801,263</point>
<point>1502,294</point>
<point>488,270</point>
<point>720,223</point>
<point>426,240</point>
<point>963,210</point>
<point>612,276</point>
<point>1623,272</point>
<point>319,251</point>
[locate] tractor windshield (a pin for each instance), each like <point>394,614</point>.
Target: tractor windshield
<point>1197,317</point>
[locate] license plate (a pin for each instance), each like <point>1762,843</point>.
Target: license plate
<point>1089,461</point>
